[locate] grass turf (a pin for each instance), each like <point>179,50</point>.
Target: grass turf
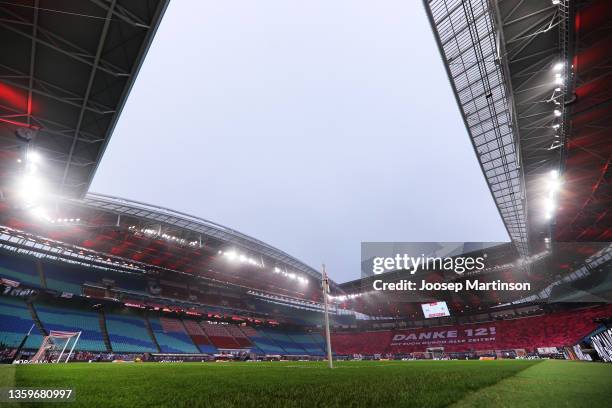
<point>351,384</point>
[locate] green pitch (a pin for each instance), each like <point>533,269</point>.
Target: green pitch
<point>511,383</point>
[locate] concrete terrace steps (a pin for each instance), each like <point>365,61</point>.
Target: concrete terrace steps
<point>151,332</point>
<point>102,320</point>
<point>36,319</point>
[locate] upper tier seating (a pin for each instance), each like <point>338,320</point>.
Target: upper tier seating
<point>219,336</point>
<point>171,336</point>
<point>20,269</point>
<point>127,333</point>
<point>64,278</point>
<point>15,322</point>
<point>199,337</point>
<point>73,319</point>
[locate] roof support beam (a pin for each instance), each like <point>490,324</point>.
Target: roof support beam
<point>74,55</point>
<point>92,76</point>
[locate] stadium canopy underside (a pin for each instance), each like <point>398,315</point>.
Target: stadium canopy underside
<point>130,236</point>
<point>532,80</point>
<point>66,68</point>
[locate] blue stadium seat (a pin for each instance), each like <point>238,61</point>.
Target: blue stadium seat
<point>172,341</point>
<point>128,333</point>
<point>15,322</point>
<point>73,319</point>
<point>20,269</point>
<point>63,277</point>
<point>284,341</point>
<point>308,343</point>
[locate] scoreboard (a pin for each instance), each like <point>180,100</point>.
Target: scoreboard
<point>435,309</point>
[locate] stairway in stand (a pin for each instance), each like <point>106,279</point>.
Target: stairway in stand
<point>107,342</point>
<point>150,330</point>
<point>36,319</point>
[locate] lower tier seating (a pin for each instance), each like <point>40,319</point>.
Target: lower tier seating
<point>284,341</point>
<point>307,342</point>
<point>239,336</point>
<point>128,333</point>
<point>15,322</point>
<point>171,336</point>
<point>219,336</point>
<point>73,319</point>
<point>551,330</point>
<point>198,336</point>
<point>263,344</point>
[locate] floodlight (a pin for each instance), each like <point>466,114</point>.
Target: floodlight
<point>33,157</point>
<point>40,212</point>
<point>554,185</point>
<point>30,188</point>
<point>558,66</point>
<point>231,255</point>
<point>557,112</point>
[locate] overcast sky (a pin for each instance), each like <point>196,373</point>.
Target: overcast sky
<point>310,125</point>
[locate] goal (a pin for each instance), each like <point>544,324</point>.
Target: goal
<point>54,346</point>
<point>436,352</point>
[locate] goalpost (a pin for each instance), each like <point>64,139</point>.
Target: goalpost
<point>54,345</point>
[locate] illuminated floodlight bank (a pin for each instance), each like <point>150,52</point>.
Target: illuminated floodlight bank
<point>553,186</point>
<point>154,233</point>
<point>236,257</point>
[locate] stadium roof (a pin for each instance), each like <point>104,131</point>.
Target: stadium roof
<point>133,236</point>
<point>191,224</point>
<point>66,69</point>
<point>520,71</point>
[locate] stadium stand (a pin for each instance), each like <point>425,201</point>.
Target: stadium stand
<point>238,335</point>
<point>63,278</point>
<point>171,336</point>
<point>198,336</point>
<point>284,341</point>
<point>262,343</point>
<point>550,330</point>
<point>20,269</point>
<point>308,342</point>
<point>361,343</point>
<point>219,336</point>
<point>128,333</point>
<point>73,319</point>
<point>318,340</point>
<point>15,322</point>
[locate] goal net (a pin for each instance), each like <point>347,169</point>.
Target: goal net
<point>56,347</point>
<point>436,352</point>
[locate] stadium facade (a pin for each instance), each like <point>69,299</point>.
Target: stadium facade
<point>531,82</point>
